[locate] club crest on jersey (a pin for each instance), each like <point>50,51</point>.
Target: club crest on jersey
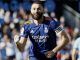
<point>46,30</point>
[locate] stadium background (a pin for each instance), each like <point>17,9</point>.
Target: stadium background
<point>14,13</point>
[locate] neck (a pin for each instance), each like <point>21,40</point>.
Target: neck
<point>37,22</point>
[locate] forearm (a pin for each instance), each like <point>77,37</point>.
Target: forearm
<point>60,46</point>
<point>73,54</point>
<point>20,46</point>
<point>64,41</point>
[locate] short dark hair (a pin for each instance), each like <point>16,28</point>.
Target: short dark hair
<point>38,2</point>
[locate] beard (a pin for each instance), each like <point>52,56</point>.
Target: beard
<point>37,16</point>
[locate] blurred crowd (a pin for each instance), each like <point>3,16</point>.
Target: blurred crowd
<point>14,16</point>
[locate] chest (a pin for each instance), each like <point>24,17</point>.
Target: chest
<point>41,30</point>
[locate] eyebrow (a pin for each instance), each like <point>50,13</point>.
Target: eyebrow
<point>38,7</point>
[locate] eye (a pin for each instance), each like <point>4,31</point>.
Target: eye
<point>39,9</point>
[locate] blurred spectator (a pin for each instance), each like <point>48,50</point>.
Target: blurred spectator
<point>15,18</point>
<point>1,17</point>
<point>50,5</point>
<point>1,13</point>
<point>6,7</point>
<point>53,16</point>
<point>65,53</point>
<point>6,30</point>
<point>76,49</point>
<point>7,48</point>
<point>2,50</point>
<point>62,21</point>
<point>7,17</point>
<point>46,14</point>
<point>23,13</point>
<point>10,50</point>
<point>1,21</point>
<point>76,33</point>
<point>26,5</point>
<point>14,5</point>
<point>1,4</point>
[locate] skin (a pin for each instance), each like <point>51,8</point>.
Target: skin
<point>37,15</point>
<point>37,12</point>
<point>73,54</point>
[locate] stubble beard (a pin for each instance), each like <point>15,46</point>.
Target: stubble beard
<point>37,17</point>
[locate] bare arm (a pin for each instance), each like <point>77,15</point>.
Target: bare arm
<point>74,54</point>
<point>20,43</point>
<point>64,41</point>
<point>60,32</point>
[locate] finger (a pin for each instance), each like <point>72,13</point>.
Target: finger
<point>48,55</point>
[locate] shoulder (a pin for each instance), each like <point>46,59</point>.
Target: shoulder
<point>28,22</point>
<point>25,26</point>
<point>56,22</point>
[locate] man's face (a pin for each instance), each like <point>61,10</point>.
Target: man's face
<point>36,11</point>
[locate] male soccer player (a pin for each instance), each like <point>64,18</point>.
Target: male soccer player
<point>42,35</point>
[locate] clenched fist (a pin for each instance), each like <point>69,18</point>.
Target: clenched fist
<point>49,54</point>
<point>16,38</point>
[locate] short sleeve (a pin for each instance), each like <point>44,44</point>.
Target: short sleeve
<point>24,32</point>
<point>76,44</point>
<point>54,24</point>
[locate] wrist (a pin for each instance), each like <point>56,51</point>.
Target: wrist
<point>54,51</point>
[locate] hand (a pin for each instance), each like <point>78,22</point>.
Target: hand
<point>16,38</point>
<point>49,54</point>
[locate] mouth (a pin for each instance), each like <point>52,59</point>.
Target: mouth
<point>36,15</point>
